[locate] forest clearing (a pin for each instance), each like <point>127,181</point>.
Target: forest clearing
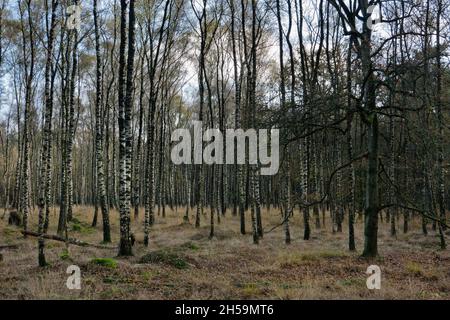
<point>228,266</point>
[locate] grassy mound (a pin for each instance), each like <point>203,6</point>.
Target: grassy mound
<point>166,257</point>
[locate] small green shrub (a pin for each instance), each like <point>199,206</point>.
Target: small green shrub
<point>109,280</point>
<point>352,282</point>
<point>76,227</point>
<point>190,245</point>
<point>64,255</point>
<point>105,262</point>
<point>148,275</point>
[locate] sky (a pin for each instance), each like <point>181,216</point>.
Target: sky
<point>191,79</point>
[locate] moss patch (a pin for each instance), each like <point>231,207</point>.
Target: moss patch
<point>81,227</point>
<point>105,262</point>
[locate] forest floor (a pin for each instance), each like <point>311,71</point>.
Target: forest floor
<point>185,264</point>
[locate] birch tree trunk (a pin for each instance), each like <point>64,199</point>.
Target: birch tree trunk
<point>44,184</point>
<point>124,121</point>
<point>99,133</point>
<point>29,71</point>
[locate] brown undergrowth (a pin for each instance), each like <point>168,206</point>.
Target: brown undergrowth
<point>181,262</point>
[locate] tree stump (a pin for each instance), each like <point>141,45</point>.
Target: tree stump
<point>14,219</point>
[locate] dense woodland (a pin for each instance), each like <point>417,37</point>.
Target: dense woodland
<point>362,105</point>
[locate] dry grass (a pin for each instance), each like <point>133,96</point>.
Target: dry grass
<point>182,263</point>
